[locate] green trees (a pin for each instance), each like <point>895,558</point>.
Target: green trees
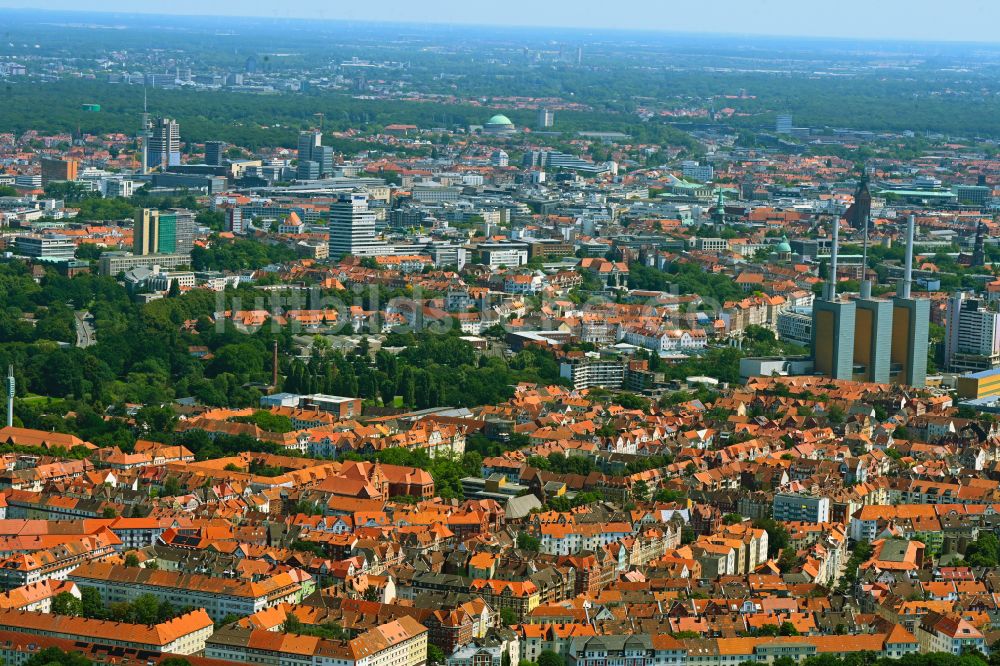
<point>862,553</point>
<point>550,658</point>
<point>328,630</point>
<point>984,551</point>
<point>268,421</point>
<point>507,617</point>
<point>433,370</point>
<point>238,254</point>
<point>435,655</point>
<point>777,535</point>
<point>687,279</point>
<point>527,541</point>
<point>65,603</point>
<point>146,609</point>
<point>54,656</point>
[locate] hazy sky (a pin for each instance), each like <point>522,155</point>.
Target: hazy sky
<point>955,20</point>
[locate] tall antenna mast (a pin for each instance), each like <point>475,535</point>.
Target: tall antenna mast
<point>144,133</point>
<point>831,284</point>
<point>906,284</point>
<point>10,396</point>
<point>866,284</point>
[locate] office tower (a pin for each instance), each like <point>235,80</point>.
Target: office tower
<point>311,149</point>
<point>352,226</point>
<point>500,158</point>
<point>183,230</point>
<point>214,150</point>
<point>972,335</point>
<point>158,232</point>
<point>309,141</point>
<point>58,170</point>
<point>119,188</point>
<point>166,233</point>
<point>546,118</point>
<point>164,144</point>
<point>307,170</point>
<point>783,124</point>
<point>833,325</point>
<point>146,232</point>
<point>910,326</point>
<point>323,155</point>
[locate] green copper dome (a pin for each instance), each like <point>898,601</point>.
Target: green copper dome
<point>499,119</point>
<point>784,246</point>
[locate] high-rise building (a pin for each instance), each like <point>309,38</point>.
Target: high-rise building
<point>972,335</point>
<point>183,230</point>
<point>164,144</point>
<point>783,124</point>
<point>311,149</point>
<point>146,232</point>
<point>162,232</point>
<point>323,155</point>
<point>53,169</point>
<point>352,226</point>
<point>546,118</point>
<point>234,220</point>
<point>214,150</point>
<point>166,233</point>
<point>307,170</point>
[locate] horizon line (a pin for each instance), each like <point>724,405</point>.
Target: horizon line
<point>522,26</point>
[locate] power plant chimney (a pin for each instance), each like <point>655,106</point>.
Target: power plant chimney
<point>903,289</point>
<point>831,284</point>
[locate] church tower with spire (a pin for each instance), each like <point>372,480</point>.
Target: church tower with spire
<point>979,250</point>
<point>860,211</point>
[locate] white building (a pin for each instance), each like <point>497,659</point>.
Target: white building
<point>352,227</point>
<point>972,335</point>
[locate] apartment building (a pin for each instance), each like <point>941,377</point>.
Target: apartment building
<point>949,633</point>
<point>56,562</point>
<point>402,642</point>
<point>218,596</point>
<point>185,634</point>
<point>793,506</point>
<point>521,597</point>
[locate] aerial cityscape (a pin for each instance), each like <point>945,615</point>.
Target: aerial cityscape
<point>339,342</point>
